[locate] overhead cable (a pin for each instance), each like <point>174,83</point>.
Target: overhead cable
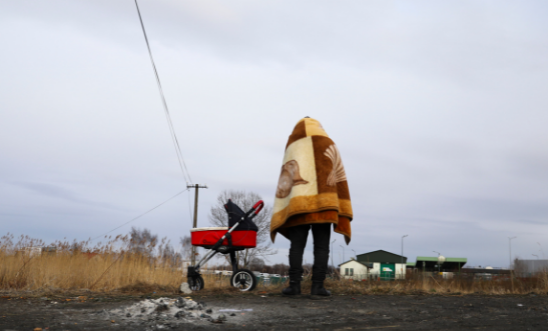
<point>182,164</point>
<point>143,214</point>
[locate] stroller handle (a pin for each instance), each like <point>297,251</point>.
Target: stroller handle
<point>260,205</point>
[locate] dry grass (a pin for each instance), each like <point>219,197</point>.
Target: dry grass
<point>76,266</point>
<point>455,286</point>
<point>111,269</point>
<point>77,271</point>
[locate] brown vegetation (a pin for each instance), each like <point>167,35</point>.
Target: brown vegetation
<point>417,284</point>
<point>116,267</point>
<point>79,266</point>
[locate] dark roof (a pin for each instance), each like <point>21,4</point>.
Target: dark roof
<point>381,256</point>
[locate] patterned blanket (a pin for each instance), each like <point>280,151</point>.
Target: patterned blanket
<point>312,187</point>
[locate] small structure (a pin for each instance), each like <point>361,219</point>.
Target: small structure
<point>431,264</point>
<point>30,251</point>
<point>385,265</point>
<point>49,250</point>
<point>486,273</point>
<point>354,270</point>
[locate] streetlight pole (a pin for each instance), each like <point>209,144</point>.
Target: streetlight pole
<point>402,266</point>
<point>510,249</point>
<point>343,253</point>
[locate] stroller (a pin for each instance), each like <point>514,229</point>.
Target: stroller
<point>240,234</point>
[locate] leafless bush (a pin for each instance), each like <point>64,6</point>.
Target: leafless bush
<point>246,200</point>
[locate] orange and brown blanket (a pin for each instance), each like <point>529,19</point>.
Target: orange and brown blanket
<point>312,187</point>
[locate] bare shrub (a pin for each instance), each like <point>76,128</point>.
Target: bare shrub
<point>246,200</point>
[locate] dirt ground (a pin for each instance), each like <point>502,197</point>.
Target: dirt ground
<point>275,312</point>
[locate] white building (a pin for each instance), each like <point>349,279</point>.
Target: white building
<point>384,265</point>
<point>353,270</point>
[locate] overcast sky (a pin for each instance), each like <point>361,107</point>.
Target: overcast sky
<point>439,109</point>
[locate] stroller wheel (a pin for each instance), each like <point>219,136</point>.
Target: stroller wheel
<point>243,280</point>
<point>196,283</point>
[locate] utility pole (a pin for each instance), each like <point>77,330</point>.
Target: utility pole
<point>195,223</point>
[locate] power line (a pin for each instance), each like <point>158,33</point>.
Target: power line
<point>143,214</point>
<point>182,164</point>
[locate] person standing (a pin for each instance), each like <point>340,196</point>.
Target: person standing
<point>312,194</point>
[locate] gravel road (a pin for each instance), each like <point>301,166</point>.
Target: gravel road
<point>275,312</point>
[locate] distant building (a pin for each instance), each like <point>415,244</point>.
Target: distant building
<point>384,265</point>
<point>354,270</point>
<point>486,273</point>
<point>430,264</point>
<point>50,250</point>
<point>31,251</point>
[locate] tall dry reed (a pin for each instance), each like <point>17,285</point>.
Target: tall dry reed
<point>431,285</point>
<point>117,266</point>
<point>79,266</point>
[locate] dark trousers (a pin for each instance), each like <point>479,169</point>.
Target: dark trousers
<point>298,235</point>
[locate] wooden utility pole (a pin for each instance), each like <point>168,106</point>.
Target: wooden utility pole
<point>195,223</point>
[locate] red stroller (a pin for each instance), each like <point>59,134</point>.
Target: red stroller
<point>240,234</point>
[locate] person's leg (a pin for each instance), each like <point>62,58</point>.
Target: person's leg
<point>298,236</point>
<point>322,235</point>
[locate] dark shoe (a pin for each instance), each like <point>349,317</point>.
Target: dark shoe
<point>293,289</point>
<point>318,289</point>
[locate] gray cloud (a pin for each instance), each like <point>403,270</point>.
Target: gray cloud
<point>438,110</point>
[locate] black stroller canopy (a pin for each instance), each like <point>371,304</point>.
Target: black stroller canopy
<point>235,214</point>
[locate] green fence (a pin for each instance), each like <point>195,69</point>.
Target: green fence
<point>270,280</point>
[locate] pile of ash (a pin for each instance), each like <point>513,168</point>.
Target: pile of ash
<point>166,312</point>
